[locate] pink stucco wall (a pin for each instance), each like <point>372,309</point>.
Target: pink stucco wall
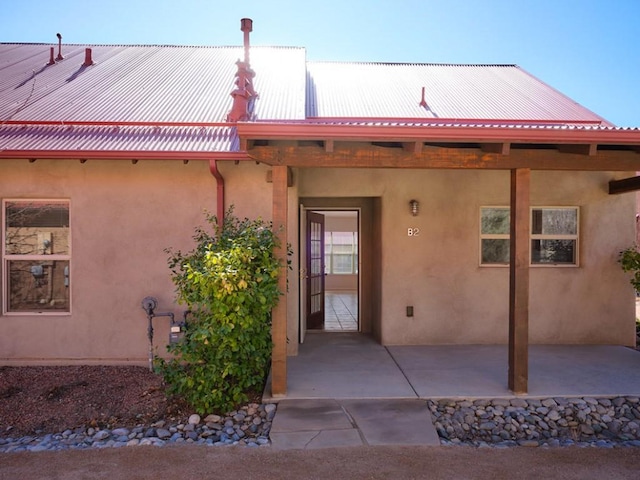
<point>124,215</point>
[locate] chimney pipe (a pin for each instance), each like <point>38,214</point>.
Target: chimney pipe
<point>88,61</point>
<point>51,58</point>
<point>59,57</point>
<point>246,25</point>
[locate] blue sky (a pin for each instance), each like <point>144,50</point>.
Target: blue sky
<point>587,49</point>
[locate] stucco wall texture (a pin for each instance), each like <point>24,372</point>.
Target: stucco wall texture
<point>123,216</point>
<point>455,300</point>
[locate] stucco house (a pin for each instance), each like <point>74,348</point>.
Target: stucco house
<point>459,204</point>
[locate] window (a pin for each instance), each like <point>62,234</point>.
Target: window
<point>494,236</point>
<point>341,253</point>
<point>36,255</point>
<point>553,234</point>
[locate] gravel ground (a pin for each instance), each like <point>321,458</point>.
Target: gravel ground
<point>44,399</point>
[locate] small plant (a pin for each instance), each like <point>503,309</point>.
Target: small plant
<point>229,282</point>
<point>630,261</point>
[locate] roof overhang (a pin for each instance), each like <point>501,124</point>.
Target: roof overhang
<point>440,132</point>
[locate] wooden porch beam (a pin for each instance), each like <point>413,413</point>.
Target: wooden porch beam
<point>359,155</point>
<point>624,185</point>
<point>519,281</point>
<point>279,313</point>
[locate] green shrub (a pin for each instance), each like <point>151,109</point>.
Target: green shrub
<point>229,282</point>
<point>630,261</point>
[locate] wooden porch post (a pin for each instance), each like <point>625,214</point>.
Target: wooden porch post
<point>279,314</point>
<point>519,282</point>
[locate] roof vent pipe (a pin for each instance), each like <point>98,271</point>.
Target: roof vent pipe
<point>88,61</point>
<point>246,25</point>
<point>423,102</point>
<point>51,58</point>
<point>59,57</point>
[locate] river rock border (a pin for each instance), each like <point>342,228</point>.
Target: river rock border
<point>248,426</point>
<point>604,422</point>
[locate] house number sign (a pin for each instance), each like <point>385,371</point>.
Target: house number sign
<point>413,232</point>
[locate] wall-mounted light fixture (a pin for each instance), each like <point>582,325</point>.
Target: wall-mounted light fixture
<point>414,207</point>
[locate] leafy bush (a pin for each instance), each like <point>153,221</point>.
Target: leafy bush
<point>229,282</point>
<point>630,261</point>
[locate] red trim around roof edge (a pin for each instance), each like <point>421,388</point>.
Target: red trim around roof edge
<point>440,133</point>
<point>121,155</point>
<point>79,123</point>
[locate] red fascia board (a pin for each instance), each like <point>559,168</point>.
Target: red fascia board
<point>120,155</point>
<point>81,123</point>
<point>438,133</point>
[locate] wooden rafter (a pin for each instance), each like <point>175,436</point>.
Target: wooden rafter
<point>501,148</point>
<point>584,149</point>
<point>413,147</point>
<point>624,185</point>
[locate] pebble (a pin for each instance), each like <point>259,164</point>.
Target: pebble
<point>248,426</point>
<point>483,423</point>
<point>551,422</point>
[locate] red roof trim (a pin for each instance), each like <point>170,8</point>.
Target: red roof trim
<point>121,155</point>
<point>82,123</point>
<point>388,131</point>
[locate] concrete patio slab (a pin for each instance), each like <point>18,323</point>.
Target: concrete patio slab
<point>343,365</point>
<point>345,389</point>
<point>438,371</point>
<point>480,371</point>
<point>312,424</point>
<point>354,366</point>
<point>393,422</point>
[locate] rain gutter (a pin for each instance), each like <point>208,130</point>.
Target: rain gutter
<point>220,190</point>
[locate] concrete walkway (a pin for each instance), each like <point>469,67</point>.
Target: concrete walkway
<point>344,389</point>
<point>310,424</point>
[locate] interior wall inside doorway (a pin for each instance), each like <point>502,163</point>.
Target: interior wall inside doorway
<point>369,253</point>
<point>341,270</point>
<point>341,233</point>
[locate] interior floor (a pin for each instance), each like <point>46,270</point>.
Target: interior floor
<point>341,311</point>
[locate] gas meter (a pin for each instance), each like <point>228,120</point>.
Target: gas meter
<point>177,332</point>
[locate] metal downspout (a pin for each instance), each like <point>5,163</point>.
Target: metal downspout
<point>213,168</point>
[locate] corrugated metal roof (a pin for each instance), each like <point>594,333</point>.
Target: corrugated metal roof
<point>118,138</point>
<point>383,90</point>
<point>114,104</point>
<point>145,83</point>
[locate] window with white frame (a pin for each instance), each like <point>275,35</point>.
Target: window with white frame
<point>341,253</point>
<point>554,235</point>
<point>36,255</point>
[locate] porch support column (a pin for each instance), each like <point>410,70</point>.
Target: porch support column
<point>519,281</point>
<point>279,313</point>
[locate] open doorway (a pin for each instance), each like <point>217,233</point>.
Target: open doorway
<point>332,270</point>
